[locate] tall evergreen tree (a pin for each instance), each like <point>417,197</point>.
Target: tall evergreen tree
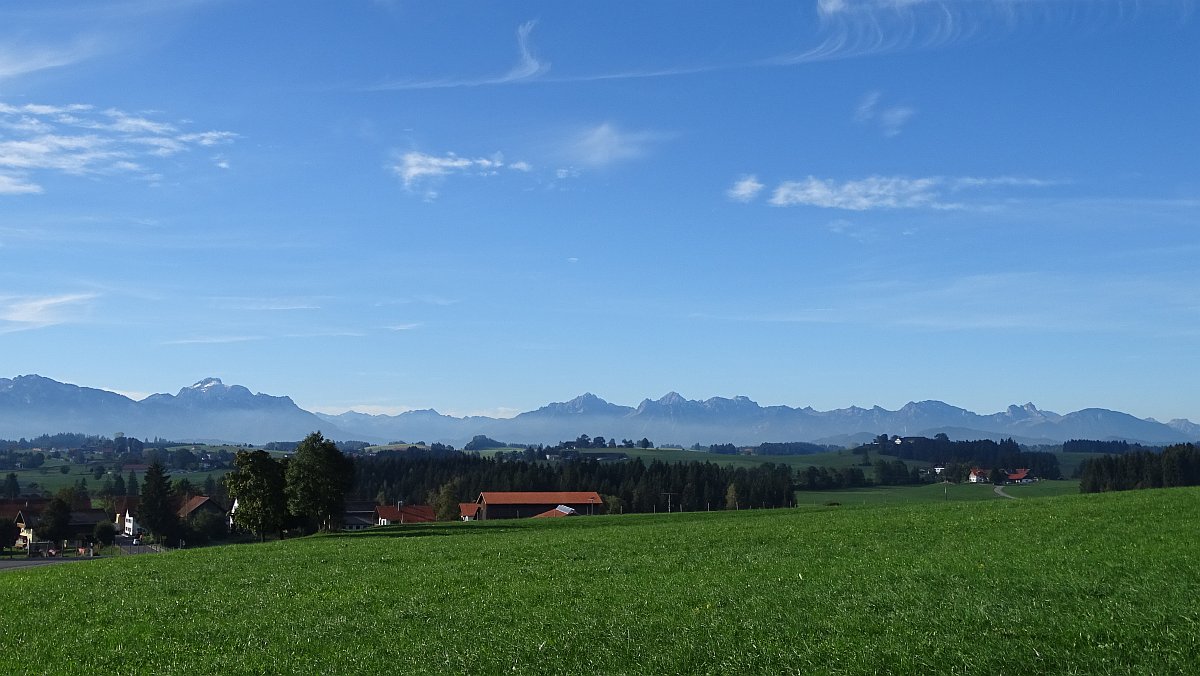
<point>12,487</point>
<point>155,508</point>
<point>131,484</point>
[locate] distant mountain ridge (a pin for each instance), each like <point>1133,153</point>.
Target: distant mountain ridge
<point>207,411</point>
<point>211,410</point>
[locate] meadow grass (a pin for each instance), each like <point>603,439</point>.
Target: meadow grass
<point>1084,584</point>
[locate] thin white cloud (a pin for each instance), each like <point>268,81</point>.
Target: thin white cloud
<point>15,184</point>
<point>607,144</point>
<point>418,170</point>
<point>528,68</point>
<point>891,192</point>
<point>214,340</point>
<point>855,29</point>
<point>405,327</point>
<point>889,119</point>
<point>414,166</point>
<point>265,304</point>
<point>873,192</point>
<point>1026,301</point>
<point>17,59</point>
<point>22,313</point>
<point>863,28</point>
<point>77,140</point>
<point>745,189</point>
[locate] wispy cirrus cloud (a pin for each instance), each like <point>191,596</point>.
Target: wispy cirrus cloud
<point>213,340</point>
<point>884,192</point>
<point>1039,301</point>
<point>78,140</point>
<point>889,118</point>
<point>265,304</point>
<point>22,58</point>
<point>527,68</point>
<point>23,313</point>
<point>863,28</point>
<point>607,144</point>
<point>856,29</point>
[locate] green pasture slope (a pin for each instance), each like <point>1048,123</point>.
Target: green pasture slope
<point>1084,584</point>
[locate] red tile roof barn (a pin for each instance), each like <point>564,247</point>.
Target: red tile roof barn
<point>554,498</point>
<point>406,513</point>
<point>468,509</point>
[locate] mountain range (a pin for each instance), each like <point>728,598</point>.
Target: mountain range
<point>210,410</point>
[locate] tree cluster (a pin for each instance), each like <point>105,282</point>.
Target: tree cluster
<point>1177,465</point>
<point>308,489</point>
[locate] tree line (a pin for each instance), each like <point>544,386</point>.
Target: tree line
<point>1110,447</point>
<point>634,486</point>
<point>1177,465</point>
<point>959,456</point>
<point>770,448</point>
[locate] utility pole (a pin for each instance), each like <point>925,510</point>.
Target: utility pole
<point>668,500</point>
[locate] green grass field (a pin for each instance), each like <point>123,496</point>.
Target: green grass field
<point>1084,584</point>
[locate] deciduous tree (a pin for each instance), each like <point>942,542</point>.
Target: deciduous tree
<point>54,522</point>
<point>318,476</point>
<point>105,533</point>
<point>257,483</point>
<point>9,532</point>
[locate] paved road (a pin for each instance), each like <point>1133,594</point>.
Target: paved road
<point>23,562</point>
<point>999,490</point>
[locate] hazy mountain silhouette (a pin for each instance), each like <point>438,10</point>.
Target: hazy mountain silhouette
<point>211,410</point>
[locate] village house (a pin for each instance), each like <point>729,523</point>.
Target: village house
<point>125,514</point>
<point>525,504</point>
<point>80,525</point>
<point>199,504</point>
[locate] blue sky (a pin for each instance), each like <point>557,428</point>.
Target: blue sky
<point>485,207</point>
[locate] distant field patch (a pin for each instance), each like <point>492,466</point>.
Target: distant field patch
<point>895,495</point>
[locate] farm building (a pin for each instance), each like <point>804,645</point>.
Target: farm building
<point>468,511</point>
<point>358,515</point>
<point>198,504</point>
<point>525,504</point>
<point>386,515</point>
